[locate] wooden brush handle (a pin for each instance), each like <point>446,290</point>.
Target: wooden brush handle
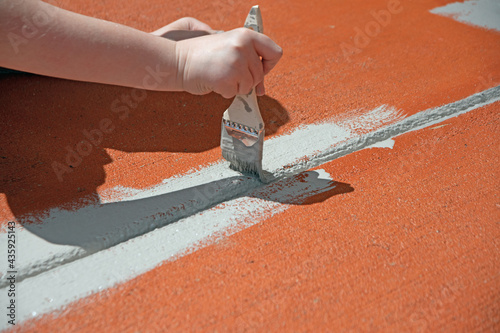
<point>245,109</point>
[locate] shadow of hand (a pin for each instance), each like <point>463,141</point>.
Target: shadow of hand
<point>55,133</point>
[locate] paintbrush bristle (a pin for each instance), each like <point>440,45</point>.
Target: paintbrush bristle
<point>245,159</point>
<point>238,165</point>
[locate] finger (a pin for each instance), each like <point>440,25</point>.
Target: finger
<point>227,94</point>
<point>228,90</point>
<point>269,51</point>
<point>185,24</point>
<point>260,90</point>
<point>161,31</point>
<point>256,69</point>
<point>177,35</point>
<point>194,24</point>
<point>245,85</point>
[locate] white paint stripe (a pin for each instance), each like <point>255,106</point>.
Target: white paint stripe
<point>411,123</point>
<point>310,140</point>
<point>389,143</point>
<point>63,236</point>
<point>55,288</point>
<point>482,13</point>
<point>78,279</point>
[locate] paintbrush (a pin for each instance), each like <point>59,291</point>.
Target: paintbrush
<point>242,133</point>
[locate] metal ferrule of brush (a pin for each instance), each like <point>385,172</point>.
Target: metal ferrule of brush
<point>248,135</point>
<point>243,157</point>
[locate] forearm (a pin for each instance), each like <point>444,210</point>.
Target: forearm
<point>39,38</point>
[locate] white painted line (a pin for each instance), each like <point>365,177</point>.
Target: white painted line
<point>482,13</point>
<point>54,288</point>
<point>411,123</point>
<point>62,236</point>
<point>389,143</point>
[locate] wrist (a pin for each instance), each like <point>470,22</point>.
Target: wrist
<point>161,71</point>
<point>180,66</point>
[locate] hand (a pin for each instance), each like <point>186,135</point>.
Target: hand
<point>184,28</point>
<point>229,63</point>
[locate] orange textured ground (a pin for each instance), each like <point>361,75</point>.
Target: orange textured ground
<point>418,61</point>
<point>415,245</point>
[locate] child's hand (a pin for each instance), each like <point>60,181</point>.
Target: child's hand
<point>229,63</point>
<point>184,28</point>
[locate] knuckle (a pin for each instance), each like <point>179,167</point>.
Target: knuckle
<point>244,34</point>
<point>244,31</point>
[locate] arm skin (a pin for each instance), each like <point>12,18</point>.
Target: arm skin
<point>82,48</point>
<point>40,38</point>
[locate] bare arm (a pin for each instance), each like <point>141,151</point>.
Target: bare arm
<point>40,38</point>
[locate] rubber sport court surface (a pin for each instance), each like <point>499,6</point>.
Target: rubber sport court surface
<point>381,119</point>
